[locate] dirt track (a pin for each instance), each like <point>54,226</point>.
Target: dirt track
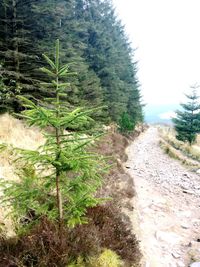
<point>167,204</point>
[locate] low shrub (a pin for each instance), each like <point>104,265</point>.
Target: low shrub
<point>44,246</point>
<point>107,258</point>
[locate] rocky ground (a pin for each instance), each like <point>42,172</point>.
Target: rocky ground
<point>167,205</point>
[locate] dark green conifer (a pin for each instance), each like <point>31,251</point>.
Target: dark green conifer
<point>187,122</point>
<point>94,44</point>
<point>126,125</point>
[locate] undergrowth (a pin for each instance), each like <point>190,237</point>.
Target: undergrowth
<point>175,154</point>
<point>57,188</point>
<point>85,243</point>
<point>188,155</point>
<point>192,152</point>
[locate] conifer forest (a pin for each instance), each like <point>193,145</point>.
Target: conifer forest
<point>93,43</point>
<point>69,95</point>
<point>99,164</point>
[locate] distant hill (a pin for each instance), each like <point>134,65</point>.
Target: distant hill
<point>160,113</point>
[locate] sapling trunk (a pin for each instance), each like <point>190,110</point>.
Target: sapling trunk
<point>16,45</point>
<point>58,192</point>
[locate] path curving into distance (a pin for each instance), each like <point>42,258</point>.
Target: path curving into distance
<point>167,204</point>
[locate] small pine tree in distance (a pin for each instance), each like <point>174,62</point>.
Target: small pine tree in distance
<point>126,125</point>
<point>60,179</point>
<point>187,122</point>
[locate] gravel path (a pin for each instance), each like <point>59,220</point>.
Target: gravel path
<point>167,204</point>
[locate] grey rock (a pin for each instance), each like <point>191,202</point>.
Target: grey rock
<point>168,237</point>
<point>186,213</point>
<point>185,226</point>
<point>176,255</point>
<point>195,264</point>
<point>180,264</point>
<point>190,192</point>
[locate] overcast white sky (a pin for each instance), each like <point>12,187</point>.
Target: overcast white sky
<point>166,34</point>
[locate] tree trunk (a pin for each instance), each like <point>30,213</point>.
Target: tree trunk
<point>15,42</point>
<point>58,193</point>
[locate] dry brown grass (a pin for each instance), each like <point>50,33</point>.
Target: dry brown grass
<point>198,140</point>
<point>189,155</point>
<point>14,132</point>
<point>176,154</point>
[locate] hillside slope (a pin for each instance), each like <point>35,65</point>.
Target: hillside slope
<point>107,226</point>
<point>14,132</point>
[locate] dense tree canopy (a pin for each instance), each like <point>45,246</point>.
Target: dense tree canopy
<point>94,44</point>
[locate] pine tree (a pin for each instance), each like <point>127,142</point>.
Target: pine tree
<point>187,122</point>
<point>126,125</point>
<point>60,179</point>
<point>109,54</point>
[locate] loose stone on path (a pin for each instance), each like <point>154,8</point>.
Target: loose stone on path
<point>169,218</point>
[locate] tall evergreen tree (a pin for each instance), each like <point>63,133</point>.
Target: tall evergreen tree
<point>110,56</point>
<point>187,123</point>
